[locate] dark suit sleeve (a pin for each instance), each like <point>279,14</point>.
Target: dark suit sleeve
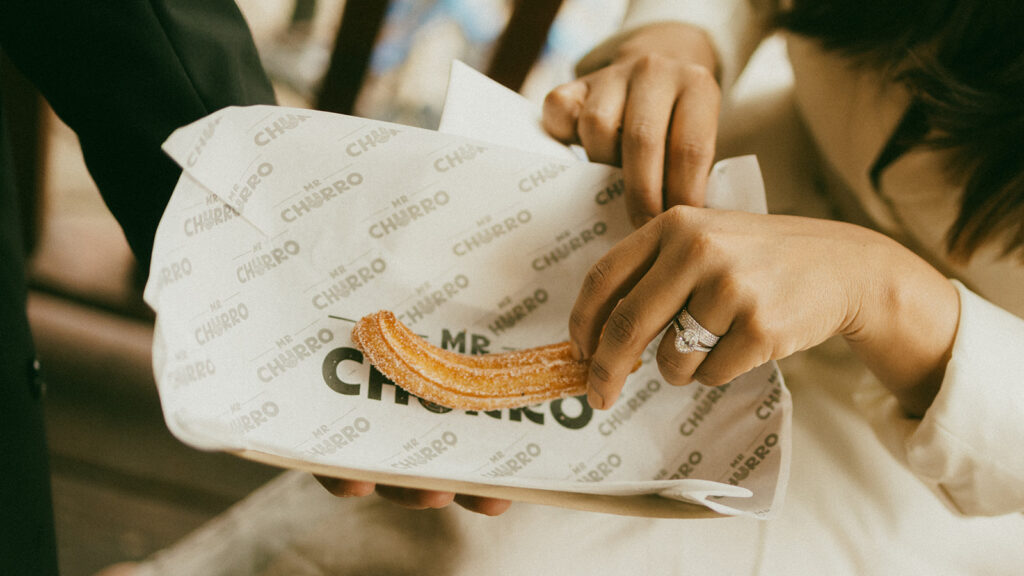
<point>124,74</point>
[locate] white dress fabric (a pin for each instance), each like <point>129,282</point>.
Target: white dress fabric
<point>870,492</point>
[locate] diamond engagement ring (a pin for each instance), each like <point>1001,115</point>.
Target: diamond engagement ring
<point>691,336</point>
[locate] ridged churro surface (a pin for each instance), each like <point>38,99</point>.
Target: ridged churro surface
<point>483,382</point>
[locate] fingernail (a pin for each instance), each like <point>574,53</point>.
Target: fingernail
<point>595,399</point>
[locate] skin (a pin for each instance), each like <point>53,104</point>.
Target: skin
<point>770,286</point>
<point>412,498</point>
<point>654,110</point>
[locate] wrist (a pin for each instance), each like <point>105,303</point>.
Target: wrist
<point>904,327</point>
<point>676,40</point>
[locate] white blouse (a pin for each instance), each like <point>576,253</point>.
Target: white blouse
<point>966,446</point>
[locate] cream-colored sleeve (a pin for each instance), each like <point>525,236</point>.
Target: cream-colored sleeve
<point>736,27</point>
<point>968,445</point>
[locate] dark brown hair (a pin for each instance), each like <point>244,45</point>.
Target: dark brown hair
<point>963,63</point>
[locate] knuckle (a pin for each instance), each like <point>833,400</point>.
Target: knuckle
<point>554,104</point>
<point>598,278</point>
<point>763,339</point>
<point>696,246</point>
<point>728,287</point>
<point>602,122</point>
<point>691,152</point>
<point>644,136</point>
<point>760,330</point>
<point>560,96</point>
<point>652,63</point>
<point>578,321</point>
<point>712,376</point>
<point>702,78</point>
<point>781,345</point>
<point>678,216</point>
<point>599,372</point>
<point>622,327</point>
<point>670,365</point>
<point>705,244</point>
<point>561,101</point>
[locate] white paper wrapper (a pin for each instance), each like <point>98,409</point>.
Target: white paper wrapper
<point>287,224</point>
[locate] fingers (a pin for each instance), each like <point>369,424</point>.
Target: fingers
<point>636,321</point>
<point>744,341</point>
<point>481,505</point>
<point>415,499</point>
<point>657,115</point>
<point>737,352</point>
<point>562,108</point>
<point>679,368</point>
<point>407,497</point>
<point>645,130</point>
<point>345,488</point>
<point>611,278</point>
<point>628,298</point>
<point>742,351</point>
<point>639,287</point>
<point>600,118</point>
<point>691,142</point>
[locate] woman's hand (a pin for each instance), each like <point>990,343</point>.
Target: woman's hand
<point>769,286</point>
<point>413,498</point>
<point>655,109</point>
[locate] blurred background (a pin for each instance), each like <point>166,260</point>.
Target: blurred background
<point>123,486</point>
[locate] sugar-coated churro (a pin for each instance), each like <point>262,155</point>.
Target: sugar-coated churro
<point>482,382</point>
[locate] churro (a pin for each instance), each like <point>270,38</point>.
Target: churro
<point>481,382</point>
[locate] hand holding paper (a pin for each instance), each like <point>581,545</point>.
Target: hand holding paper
<point>289,224</point>
<point>649,97</point>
